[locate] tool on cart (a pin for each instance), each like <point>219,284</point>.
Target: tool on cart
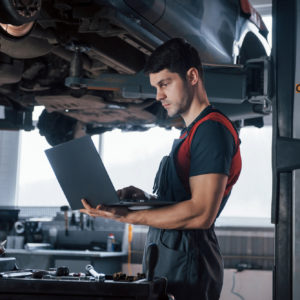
<point>119,276</point>
<point>6,263</point>
<point>37,274</point>
<point>98,276</point>
<point>62,271</point>
<point>52,273</point>
<point>2,249</point>
<point>16,274</point>
<point>65,209</point>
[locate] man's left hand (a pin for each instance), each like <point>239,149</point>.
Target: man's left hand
<point>115,213</point>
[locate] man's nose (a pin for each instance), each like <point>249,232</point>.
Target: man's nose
<point>160,95</point>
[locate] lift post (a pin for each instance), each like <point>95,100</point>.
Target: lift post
<point>286,148</point>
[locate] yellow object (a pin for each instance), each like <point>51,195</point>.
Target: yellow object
<point>129,247</point>
<point>129,233</point>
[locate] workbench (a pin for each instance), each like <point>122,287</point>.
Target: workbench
<point>43,289</point>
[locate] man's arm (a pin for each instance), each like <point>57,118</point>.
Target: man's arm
<point>198,212</point>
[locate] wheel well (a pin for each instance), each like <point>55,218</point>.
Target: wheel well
<point>251,48</point>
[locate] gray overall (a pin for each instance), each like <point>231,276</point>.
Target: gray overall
<point>189,259</point>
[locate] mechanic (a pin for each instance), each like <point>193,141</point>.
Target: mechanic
<point>197,176</point>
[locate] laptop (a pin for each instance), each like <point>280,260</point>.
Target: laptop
<point>81,174</point>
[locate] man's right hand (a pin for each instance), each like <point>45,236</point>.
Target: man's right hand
<point>132,192</point>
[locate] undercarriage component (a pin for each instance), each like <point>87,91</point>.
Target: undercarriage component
<point>76,62</point>
<point>29,47</point>
<point>94,109</point>
<point>16,31</point>
<point>83,59</point>
<point>131,86</point>
<point>10,70</point>
<point>259,87</point>
<point>224,84</point>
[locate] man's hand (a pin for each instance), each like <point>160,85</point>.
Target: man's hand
<point>116,213</point>
<point>121,214</point>
<point>132,192</point>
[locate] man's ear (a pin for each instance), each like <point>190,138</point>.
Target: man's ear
<point>192,76</point>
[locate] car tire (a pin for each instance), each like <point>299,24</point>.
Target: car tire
<point>16,13</point>
<point>55,127</point>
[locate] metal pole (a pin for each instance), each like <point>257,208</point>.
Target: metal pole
<point>286,149</point>
<point>9,145</point>
<point>296,173</point>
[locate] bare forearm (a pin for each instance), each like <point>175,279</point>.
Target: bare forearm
<point>183,215</point>
<point>199,212</point>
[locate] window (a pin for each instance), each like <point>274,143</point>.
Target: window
<point>252,194</point>
<point>132,158</point>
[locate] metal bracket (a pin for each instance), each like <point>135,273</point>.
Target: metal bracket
<point>259,83</point>
<point>131,86</point>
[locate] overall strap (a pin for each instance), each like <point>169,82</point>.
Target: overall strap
<point>236,163</point>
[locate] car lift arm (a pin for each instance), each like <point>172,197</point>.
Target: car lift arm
<point>225,84</point>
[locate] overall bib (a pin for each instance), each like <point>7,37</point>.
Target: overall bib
<point>189,259</point>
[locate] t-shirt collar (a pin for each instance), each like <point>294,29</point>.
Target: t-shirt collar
<point>200,116</point>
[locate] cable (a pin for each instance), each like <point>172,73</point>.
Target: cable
<point>233,286</point>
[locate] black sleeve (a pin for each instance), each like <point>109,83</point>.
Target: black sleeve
<point>212,149</point>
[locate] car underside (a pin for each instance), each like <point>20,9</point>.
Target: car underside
<point>83,62</point>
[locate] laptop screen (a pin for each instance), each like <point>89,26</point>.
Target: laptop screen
<point>81,173</point>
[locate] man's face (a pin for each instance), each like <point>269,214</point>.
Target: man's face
<point>171,91</point>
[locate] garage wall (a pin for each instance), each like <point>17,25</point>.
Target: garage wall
<point>247,285</point>
<point>9,149</point>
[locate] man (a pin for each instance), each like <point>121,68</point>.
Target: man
<point>197,176</point>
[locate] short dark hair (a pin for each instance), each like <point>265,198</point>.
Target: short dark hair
<point>176,55</point>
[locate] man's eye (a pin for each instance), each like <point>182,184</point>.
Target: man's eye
<point>163,85</point>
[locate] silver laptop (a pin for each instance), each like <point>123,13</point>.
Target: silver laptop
<point>81,174</point>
